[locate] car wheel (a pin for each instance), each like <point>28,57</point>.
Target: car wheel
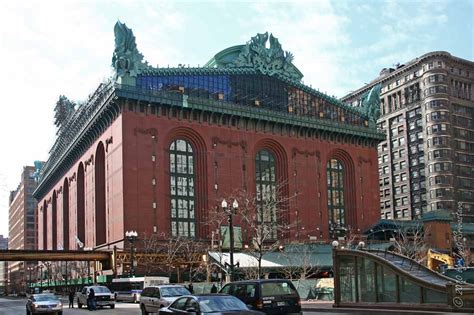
<point>144,312</point>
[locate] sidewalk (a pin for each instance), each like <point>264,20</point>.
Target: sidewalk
<point>327,307</point>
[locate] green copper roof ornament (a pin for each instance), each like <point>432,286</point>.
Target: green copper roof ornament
<point>370,103</point>
<point>269,61</point>
<point>126,59</point>
<point>38,170</point>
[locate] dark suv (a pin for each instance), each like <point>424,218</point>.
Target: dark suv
<point>271,296</point>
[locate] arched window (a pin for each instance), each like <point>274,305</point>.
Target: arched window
<point>66,214</point>
<point>45,225</point>
<point>266,189</point>
<point>100,215</point>
<point>81,206</point>
<point>54,221</point>
<point>182,180</point>
<point>335,177</point>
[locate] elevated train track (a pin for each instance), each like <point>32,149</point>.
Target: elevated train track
<point>54,255</point>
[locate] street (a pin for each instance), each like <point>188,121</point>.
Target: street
<point>16,306</point>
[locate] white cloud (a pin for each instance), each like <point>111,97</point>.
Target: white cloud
<point>65,47</point>
<point>61,47</point>
<point>312,31</point>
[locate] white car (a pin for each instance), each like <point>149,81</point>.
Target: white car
<point>155,297</point>
<point>103,296</point>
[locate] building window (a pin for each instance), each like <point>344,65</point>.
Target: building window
<point>265,179</point>
<point>182,179</point>
<point>335,176</point>
<point>404,188</point>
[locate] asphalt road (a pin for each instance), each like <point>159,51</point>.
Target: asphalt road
<point>16,306</point>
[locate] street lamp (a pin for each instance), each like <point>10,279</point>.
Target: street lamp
<point>131,236</point>
<point>48,264</point>
<point>41,276</point>
<point>30,269</point>
<point>230,212</point>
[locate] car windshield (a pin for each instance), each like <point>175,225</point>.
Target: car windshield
<point>277,288</point>
<point>101,290</point>
<point>45,297</point>
<point>174,291</point>
<point>221,303</point>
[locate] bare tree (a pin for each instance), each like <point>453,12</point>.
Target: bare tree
<point>300,263</point>
<point>251,271</point>
<point>173,249</point>
<point>351,237</point>
<point>411,243</point>
<point>265,218</point>
<point>152,246</point>
<point>193,252</point>
<point>466,255</point>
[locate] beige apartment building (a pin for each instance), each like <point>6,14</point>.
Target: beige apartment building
<point>427,160</point>
<point>22,227</point>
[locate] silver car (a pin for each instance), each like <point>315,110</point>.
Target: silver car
<point>44,303</point>
<point>155,297</point>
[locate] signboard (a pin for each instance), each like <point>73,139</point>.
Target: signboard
<point>225,237</point>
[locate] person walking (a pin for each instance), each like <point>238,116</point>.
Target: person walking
<point>91,300</point>
<point>190,288</point>
<point>71,298</point>
<point>213,288</point>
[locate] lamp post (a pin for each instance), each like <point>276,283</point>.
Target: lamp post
<point>30,269</point>
<point>230,212</point>
<point>131,236</point>
<point>48,264</point>
<point>41,276</point>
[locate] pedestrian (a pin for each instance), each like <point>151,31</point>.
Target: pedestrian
<point>213,288</point>
<point>91,300</point>
<point>190,288</point>
<point>71,298</point>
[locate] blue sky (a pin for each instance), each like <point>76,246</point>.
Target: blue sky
<point>48,48</point>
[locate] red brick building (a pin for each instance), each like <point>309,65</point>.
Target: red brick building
<point>154,149</point>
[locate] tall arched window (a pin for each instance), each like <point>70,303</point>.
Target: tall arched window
<point>54,221</point>
<point>265,179</point>
<point>336,208</point>
<point>182,180</point>
<point>45,225</point>
<point>66,214</point>
<point>81,206</point>
<point>100,215</point>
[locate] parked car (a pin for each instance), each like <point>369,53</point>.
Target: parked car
<point>271,296</point>
<point>207,304</point>
<point>155,297</point>
<point>103,296</point>
<point>44,303</point>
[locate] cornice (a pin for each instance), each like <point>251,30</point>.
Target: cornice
<point>409,66</point>
<point>89,123</point>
